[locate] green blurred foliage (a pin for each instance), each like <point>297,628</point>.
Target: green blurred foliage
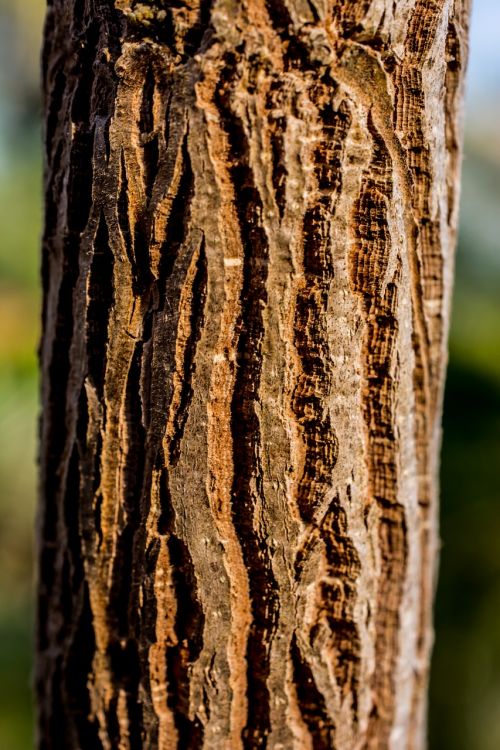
<point>19,314</point>
<point>20,221</point>
<point>465,685</point>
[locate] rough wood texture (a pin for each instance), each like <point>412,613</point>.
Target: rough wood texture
<point>250,218</point>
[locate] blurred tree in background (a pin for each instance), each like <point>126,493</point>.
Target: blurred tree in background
<point>465,688</point>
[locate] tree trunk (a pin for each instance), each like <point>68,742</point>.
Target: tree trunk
<point>251,212</point>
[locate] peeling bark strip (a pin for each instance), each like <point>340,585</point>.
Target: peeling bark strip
<point>251,211</point>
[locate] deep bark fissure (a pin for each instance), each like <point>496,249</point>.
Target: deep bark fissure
<point>247,491</point>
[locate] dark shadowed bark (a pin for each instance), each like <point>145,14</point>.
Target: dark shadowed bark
<point>251,211</point>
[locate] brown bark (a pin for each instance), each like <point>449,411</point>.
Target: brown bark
<point>250,220</point>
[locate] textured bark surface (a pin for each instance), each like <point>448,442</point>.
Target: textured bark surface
<point>250,220</point>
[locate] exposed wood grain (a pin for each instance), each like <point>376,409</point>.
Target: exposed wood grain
<point>251,214</point>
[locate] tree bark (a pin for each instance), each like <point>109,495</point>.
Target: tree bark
<point>251,212</point>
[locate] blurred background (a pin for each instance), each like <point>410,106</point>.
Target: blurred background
<point>465,685</point>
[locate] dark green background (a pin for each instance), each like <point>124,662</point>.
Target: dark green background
<point>465,688</point>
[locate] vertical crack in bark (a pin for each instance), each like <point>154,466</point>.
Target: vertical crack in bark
<point>78,669</point>
<point>312,703</point>
<point>335,624</point>
<point>177,325</point>
<point>277,104</point>
<point>220,449</point>
<point>189,624</point>
<point>190,617</point>
<point>99,306</point>
<point>338,597</point>
<point>55,95</point>
<point>410,121</point>
<point>193,309</point>
<point>369,268</point>
<point>311,338</point>
<point>149,138</point>
<point>456,59</point>
<point>247,492</point>
<point>123,209</point>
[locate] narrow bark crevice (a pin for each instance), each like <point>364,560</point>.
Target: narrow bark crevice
<point>196,322</point>
<point>78,669</point>
<point>189,624</point>
<point>133,470</point>
<point>177,226</point>
<point>149,139</point>
<point>311,338</point>
<point>56,95</point>
<point>84,73</point>
<point>312,703</point>
<point>123,209</point>
<point>58,374</point>
<point>276,101</point>
<point>125,664</point>
<point>247,490</point>
<point>99,307</point>
<point>370,265</point>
